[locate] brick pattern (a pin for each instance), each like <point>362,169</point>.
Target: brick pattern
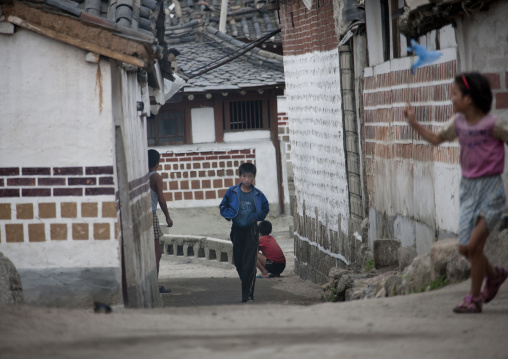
<point>201,175</point>
<point>56,181</point>
<point>305,31</point>
<point>387,134</point>
<point>57,220</point>
<point>283,125</point>
<point>139,187</point>
<point>499,85</point>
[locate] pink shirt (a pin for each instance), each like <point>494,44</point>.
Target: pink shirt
<point>481,145</point>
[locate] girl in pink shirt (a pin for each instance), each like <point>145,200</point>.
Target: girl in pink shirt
<point>482,198</point>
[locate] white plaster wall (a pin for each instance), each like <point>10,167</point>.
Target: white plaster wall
<point>482,39</point>
<point>282,106</point>
<point>203,125</point>
<point>246,136</point>
<point>314,107</point>
<point>266,177</point>
<point>64,254</point>
<point>55,108</point>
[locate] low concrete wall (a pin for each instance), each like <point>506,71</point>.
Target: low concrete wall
<point>198,249</point>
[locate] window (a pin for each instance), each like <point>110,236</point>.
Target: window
<point>166,128</point>
<point>246,115</point>
<point>384,40</point>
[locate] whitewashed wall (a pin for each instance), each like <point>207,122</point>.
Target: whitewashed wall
<point>39,113</point>
<point>316,132</point>
<point>55,112</point>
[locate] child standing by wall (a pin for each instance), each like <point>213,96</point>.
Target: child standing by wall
<point>482,198</point>
<point>245,205</point>
<point>271,261</point>
<point>157,197</point>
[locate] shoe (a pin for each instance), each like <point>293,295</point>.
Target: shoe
<point>492,286</point>
<point>164,290</point>
<point>470,304</point>
<point>250,299</point>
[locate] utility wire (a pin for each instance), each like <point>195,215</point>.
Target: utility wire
<point>228,57</point>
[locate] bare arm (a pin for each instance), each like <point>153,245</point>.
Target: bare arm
<point>427,135</point>
<point>160,195</point>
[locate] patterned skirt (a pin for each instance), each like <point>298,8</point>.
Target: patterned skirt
<point>479,197</point>
<point>156,226</point>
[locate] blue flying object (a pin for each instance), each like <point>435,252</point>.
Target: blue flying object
<point>424,57</point>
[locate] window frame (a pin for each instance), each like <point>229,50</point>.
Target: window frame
<point>265,112</point>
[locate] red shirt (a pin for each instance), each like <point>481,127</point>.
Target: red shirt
<point>271,249</point>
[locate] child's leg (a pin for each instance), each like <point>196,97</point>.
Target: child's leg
<point>480,265</point>
<point>261,265</point>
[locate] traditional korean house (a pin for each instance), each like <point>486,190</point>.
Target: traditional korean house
<point>226,113</point>
<point>76,86</point>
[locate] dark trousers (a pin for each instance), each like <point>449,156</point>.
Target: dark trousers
<point>245,253</point>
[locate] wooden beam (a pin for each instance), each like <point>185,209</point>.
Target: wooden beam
<point>85,45</point>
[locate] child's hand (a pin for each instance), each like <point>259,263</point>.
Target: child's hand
<point>409,113</point>
<point>169,221</point>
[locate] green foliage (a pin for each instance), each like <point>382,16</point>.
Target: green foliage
<point>370,265</point>
<point>438,283</point>
<point>333,297</point>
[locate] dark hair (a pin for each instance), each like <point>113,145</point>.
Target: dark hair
<point>477,86</point>
<point>265,227</point>
<point>247,168</point>
<point>153,158</point>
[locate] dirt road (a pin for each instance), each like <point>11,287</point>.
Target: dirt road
<point>204,319</point>
<point>415,326</point>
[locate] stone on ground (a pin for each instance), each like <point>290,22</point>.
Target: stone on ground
<point>386,252</point>
<point>406,255</point>
<point>11,290</point>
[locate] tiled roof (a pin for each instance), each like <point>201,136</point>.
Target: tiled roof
<point>124,13</point>
<point>256,69</point>
<point>108,27</point>
<point>247,20</point>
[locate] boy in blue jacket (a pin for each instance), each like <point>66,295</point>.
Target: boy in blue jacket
<point>245,205</point>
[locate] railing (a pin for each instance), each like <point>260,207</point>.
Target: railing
<point>204,250</point>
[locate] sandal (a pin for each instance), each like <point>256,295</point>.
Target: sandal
<point>492,286</point>
<point>470,304</point>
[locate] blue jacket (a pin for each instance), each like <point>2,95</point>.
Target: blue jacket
<point>231,203</point>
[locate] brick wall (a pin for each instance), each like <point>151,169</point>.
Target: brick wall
<point>499,84</point>
<point>306,31</point>
<point>412,186</point>
<point>388,135</point>
<point>283,125</point>
<point>199,175</point>
<point>57,203</point>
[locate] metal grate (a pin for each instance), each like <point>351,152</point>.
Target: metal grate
<point>245,115</point>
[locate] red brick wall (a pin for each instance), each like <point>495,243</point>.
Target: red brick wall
<point>201,175</point>
<point>388,135</point>
<point>499,85</point>
<point>283,126</point>
<point>305,30</point>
